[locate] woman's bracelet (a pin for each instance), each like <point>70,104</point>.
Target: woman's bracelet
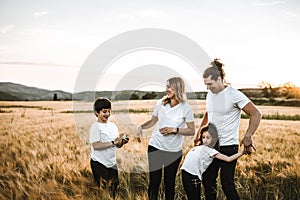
<point>177,130</point>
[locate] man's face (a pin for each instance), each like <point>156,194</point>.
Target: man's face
<point>213,85</point>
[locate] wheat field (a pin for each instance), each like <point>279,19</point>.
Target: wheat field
<point>45,153</point>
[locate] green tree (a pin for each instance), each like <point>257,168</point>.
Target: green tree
<point>148,95</point>
<point>134,96</point>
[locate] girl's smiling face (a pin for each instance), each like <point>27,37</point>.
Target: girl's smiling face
<point>103,115</point>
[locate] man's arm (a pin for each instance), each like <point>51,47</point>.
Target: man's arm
<point>255,117</point>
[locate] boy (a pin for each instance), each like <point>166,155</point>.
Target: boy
<point>104,139</point>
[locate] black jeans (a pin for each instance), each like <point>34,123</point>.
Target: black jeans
<point>105,177</point>
<point>191,185</point>
<point>158,160</point>
<point>227,175</point>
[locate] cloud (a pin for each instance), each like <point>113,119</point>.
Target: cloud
<point>273,3</point>
<point>290,14</point>
<point>4,29</point>
<point>40,13</point>
<point>35,64</point>
<point>143,14</point>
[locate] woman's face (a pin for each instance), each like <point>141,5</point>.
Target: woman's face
<point>170,91</point>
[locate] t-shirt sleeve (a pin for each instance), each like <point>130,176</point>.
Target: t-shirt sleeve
<point>212,152</point>
<point>189,115</point>
<point>94,134</point>
<point>157,107</point>
<point>116,130</point>
<point>240,99</point>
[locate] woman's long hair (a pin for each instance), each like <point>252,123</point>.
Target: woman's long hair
<point>178,85</point>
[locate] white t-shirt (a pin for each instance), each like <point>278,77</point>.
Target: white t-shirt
<point>198,159</point>
<point>224,110</point>
<point>168,116</point>
<point>104,132</point>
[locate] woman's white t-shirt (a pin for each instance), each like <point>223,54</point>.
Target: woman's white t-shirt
<point>168,116</point>
<point>198,159</point>
<point>104,132</point>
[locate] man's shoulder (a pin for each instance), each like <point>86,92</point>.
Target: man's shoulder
<point>232,90</point>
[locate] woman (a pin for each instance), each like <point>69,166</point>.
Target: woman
<point>174,119</point>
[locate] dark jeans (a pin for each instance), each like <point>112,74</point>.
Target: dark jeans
<point>227,176</point>
<point>105,177</point>
<point>169,162</point>
<point>191,185</point>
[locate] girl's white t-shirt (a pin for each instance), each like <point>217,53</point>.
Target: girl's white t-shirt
<point>198,159</point>
<point>168,116</point>
<point>224,110</point>
<point>104,132</point>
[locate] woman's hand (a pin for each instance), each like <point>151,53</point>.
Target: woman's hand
<point>168,130</point>
<point>139,133</point>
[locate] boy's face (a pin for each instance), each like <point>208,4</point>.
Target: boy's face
<point>103,115</point>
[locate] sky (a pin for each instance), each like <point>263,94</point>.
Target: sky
<point>46,44</point>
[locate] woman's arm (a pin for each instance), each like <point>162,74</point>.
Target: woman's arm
<point>190,130</point>
<point>148,124</point>
<point>229,158</point>
<point>197,135</point>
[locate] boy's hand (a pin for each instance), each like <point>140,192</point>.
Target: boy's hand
<point>121,140</point>
<point>124,138</point>
<point>118,142</point>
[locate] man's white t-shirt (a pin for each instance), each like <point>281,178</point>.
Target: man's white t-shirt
<point>168,116</point>
<point>224,110</point>
<point>198,159</point>
<point>104,132</point>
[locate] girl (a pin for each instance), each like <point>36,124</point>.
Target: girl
<point>199,158</point>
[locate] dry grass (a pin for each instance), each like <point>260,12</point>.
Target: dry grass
<point>45,153</point>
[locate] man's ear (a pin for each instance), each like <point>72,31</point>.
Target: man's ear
<point>96,113</point>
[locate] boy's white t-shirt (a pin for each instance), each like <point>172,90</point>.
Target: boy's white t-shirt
<point>224,110</point>
<point>104,132</point>
<point>168,116</point>
<point>198,159</point>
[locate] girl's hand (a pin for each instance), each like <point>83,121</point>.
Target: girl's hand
<point>168,130</point>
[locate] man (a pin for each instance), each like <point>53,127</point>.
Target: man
<point>223,108</point>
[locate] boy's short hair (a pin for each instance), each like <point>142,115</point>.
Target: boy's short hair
<point>101,103</point>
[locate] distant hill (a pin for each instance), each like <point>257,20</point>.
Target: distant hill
<point>17,92</point>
